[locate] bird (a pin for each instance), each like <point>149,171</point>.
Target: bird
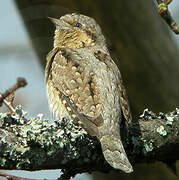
<point>84,84</point>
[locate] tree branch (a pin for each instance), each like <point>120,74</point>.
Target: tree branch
<point>35,143</point>
<point>166,15</point>
<point>9,93</point>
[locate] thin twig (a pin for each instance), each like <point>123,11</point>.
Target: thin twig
<point>165,14</point>
<point>21,82</point>
<point>9,105</point>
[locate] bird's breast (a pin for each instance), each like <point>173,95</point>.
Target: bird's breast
<point>56,105</point>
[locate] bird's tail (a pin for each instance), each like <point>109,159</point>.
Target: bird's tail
<point>114,153</point>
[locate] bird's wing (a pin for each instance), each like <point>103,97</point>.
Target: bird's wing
<point>122,92</point>
<point>50,58</point>
<point>76,85</point>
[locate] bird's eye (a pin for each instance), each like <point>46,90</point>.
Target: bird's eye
<point>78,25</point>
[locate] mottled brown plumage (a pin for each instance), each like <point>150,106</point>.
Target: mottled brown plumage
<point>84,84</point>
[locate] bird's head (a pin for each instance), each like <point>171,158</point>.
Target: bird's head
<point>76,31</point>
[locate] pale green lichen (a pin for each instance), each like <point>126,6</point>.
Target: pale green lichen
<point>177,111</point>
<point>19,115</point>
<point>161,130</point>
<point>148,146</point>
<point>2,116</point>
<point>170,117</point>
<point>2,161</point>
<point>147,115</point>
<point>48,137</point>
<point>170,120</point>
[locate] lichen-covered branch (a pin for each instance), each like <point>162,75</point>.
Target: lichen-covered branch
<point>155,137</point>
<point>36,143</point>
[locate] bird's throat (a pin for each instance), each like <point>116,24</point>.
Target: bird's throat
<point>71,39</point>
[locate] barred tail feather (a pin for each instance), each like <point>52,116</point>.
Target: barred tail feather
<point>115,154</point>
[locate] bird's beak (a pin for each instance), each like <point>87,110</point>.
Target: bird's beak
<point>59,23</point>
<point>54,21</point>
